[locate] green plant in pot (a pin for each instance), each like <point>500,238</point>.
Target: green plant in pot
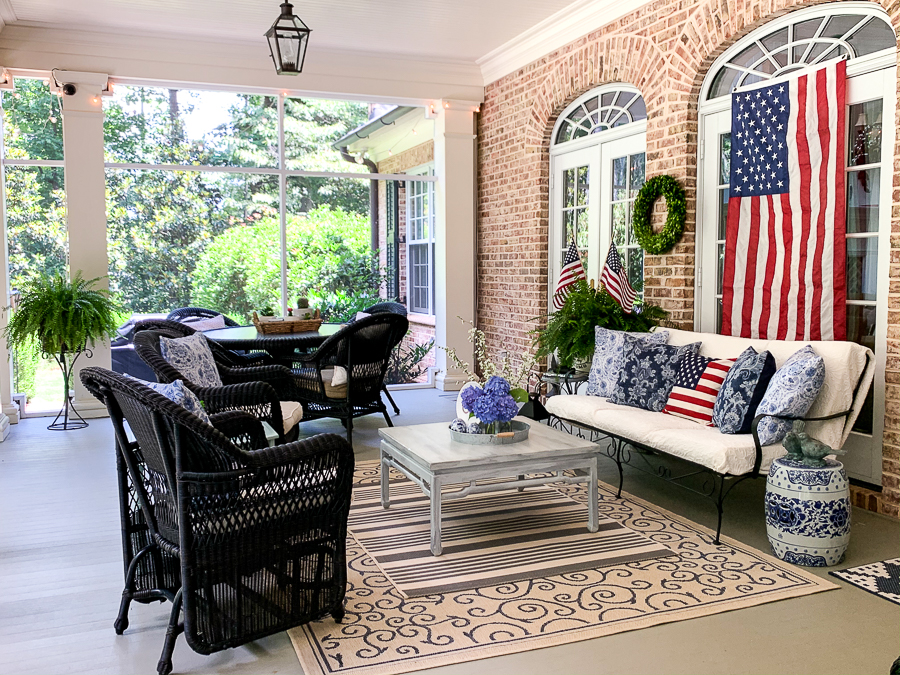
<point>65,318</point>
<point>569,333</point>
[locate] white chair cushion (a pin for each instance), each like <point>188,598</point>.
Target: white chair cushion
<point>291,413</point>
<point>212,323</point>
<point>726,453</point>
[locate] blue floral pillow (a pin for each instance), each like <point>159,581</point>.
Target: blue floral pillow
<point>191,357</point>
<point>177,393</point>
<point>792,391</point>
<point>648,373</point>
<point>742,390</point>
<point>608,352</point>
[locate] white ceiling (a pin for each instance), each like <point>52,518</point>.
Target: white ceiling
<point>438,30</point>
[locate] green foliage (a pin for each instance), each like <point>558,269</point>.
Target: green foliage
<point>664,241</point>
<point>25,367</point>
<point>61,315</point>
<point>405,363</point>
<point>329,261</point>
<point>570,331</point>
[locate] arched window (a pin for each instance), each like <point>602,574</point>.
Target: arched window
<point>798,40</point>
<point>597,162</point>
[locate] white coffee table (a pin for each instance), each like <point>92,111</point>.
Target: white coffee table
<point>426,454</point>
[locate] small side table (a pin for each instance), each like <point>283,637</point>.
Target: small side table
<point>563,384</point>
<point>808,512</point>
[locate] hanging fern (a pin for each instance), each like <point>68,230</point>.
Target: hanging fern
<point>62,315</point>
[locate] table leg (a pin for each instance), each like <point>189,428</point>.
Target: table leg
<point>593,509</point>
<point>521,476</point>
<point>385,481</point>
<point>436,516</point>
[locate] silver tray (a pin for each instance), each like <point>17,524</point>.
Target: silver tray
<point>519,433</point>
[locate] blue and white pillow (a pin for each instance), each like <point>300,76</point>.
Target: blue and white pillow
<point>742,390</point>
<point>191,357</point>
<point>648,374</point>
<point>792,391</point>
<point>608,352</point>
<point>177,393</point>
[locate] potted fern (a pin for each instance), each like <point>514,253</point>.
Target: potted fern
<point>569,333</point>
<point>65,318</point>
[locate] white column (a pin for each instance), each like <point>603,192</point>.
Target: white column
<point>454,166</point>
<point>86,204</point>
<point>9,412</point>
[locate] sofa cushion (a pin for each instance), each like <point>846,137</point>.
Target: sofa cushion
<point>607,362</point>
<point>648,373</point>
<point>212,323</point>
<point>697,384</point>
<point>792,391</point>
<point>742,391</point>
<point>726,453</point>
<point>191,357</point>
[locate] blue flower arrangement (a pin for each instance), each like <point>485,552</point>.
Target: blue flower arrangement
<point>494,404</point>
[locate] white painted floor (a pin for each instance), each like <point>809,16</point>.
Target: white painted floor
<point>61,578</point>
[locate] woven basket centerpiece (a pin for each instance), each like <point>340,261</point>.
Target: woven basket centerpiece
<point>270,325</point>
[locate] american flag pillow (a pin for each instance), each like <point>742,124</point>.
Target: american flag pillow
<point>696,386</point>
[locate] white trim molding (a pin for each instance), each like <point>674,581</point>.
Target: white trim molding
<point>558,30</point>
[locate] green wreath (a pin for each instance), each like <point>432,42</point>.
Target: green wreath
<point>657,243</point>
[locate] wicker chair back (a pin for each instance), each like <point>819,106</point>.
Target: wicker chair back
<point>198,312</point>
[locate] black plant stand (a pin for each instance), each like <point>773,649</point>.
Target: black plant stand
<point>68,410</point>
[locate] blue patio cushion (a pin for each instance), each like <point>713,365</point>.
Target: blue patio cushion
<point>649,372</point>
<point>177,393</point>
<point>742,391</point>
<point>191,357</point>
<point>608,353</point>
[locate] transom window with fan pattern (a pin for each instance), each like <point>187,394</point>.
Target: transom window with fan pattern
<point>598,113</point>
<point>801,44</point>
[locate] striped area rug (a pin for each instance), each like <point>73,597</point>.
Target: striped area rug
<point>487,539</point>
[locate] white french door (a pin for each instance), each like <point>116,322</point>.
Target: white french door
<point>868,165</point>
<point>592,192</point>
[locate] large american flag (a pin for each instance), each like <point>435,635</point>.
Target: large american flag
<point>615,278</point>
<point>785,255</point>
<point>572,271</point>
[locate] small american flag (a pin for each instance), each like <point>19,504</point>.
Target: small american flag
<point>785,249</point>
<point>571,272</point>
<point>615,278</point>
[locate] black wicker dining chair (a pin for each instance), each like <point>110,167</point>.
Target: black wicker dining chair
<point>363,349</point>
<point>388,308</point>
<point>258,390</point>
<point>258,533</point>
<point>225,356</point>
<point>183,313</point>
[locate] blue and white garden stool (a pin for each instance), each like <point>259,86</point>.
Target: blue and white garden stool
<point>808,512</point>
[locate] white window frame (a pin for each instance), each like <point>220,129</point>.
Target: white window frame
<point>429,219</point>
<point>863,460</point>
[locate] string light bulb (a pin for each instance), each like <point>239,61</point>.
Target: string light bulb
<point>52,119</point>
<point>446,105</point>
<point>95,99</point>
<point>46,82</point>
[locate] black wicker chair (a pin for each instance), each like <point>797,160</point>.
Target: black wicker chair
<point>258,390</point>
<point>389,308</point>
<point>198,312</point>
<point>225,356</point>
<point>259,535</point>
<point>363,349</point>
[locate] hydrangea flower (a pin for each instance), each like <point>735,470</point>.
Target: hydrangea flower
<point>469,396</point>
<point>489,408</point>
<point>496,386</point>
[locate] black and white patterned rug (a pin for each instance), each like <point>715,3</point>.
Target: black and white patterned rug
<point>881,578</point>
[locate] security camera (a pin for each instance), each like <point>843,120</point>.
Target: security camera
<point>69,89</point>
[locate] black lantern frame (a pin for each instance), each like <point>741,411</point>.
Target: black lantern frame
<point>288,38</point>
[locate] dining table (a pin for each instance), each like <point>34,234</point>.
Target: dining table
<point>283,347</point>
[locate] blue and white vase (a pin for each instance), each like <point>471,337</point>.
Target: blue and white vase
<point>808,512</point>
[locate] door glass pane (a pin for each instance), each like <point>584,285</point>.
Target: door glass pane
<point>620,178</point>
<point>724,159</point>
<point>861,329</point>
<point>635,266</point>
<point>569,188</point>
<point>569,227</point>
<point>723,212</point>
<point>865,133</point>
<point>581,226</point>
<point>720,266</point>
<point>862,268</point>
<point>583,185</point>
<point>863,198</point>
<point>619,223</point>
<point>637,175</point>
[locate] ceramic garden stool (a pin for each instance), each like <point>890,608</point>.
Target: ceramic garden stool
<point>808,512</point>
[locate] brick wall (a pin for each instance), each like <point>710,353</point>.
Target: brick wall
<point>665,49</point>
<point>419,331</point>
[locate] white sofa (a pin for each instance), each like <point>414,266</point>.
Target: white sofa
<point>849,369</point>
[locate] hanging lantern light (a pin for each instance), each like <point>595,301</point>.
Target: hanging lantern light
<point>288,38</point>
